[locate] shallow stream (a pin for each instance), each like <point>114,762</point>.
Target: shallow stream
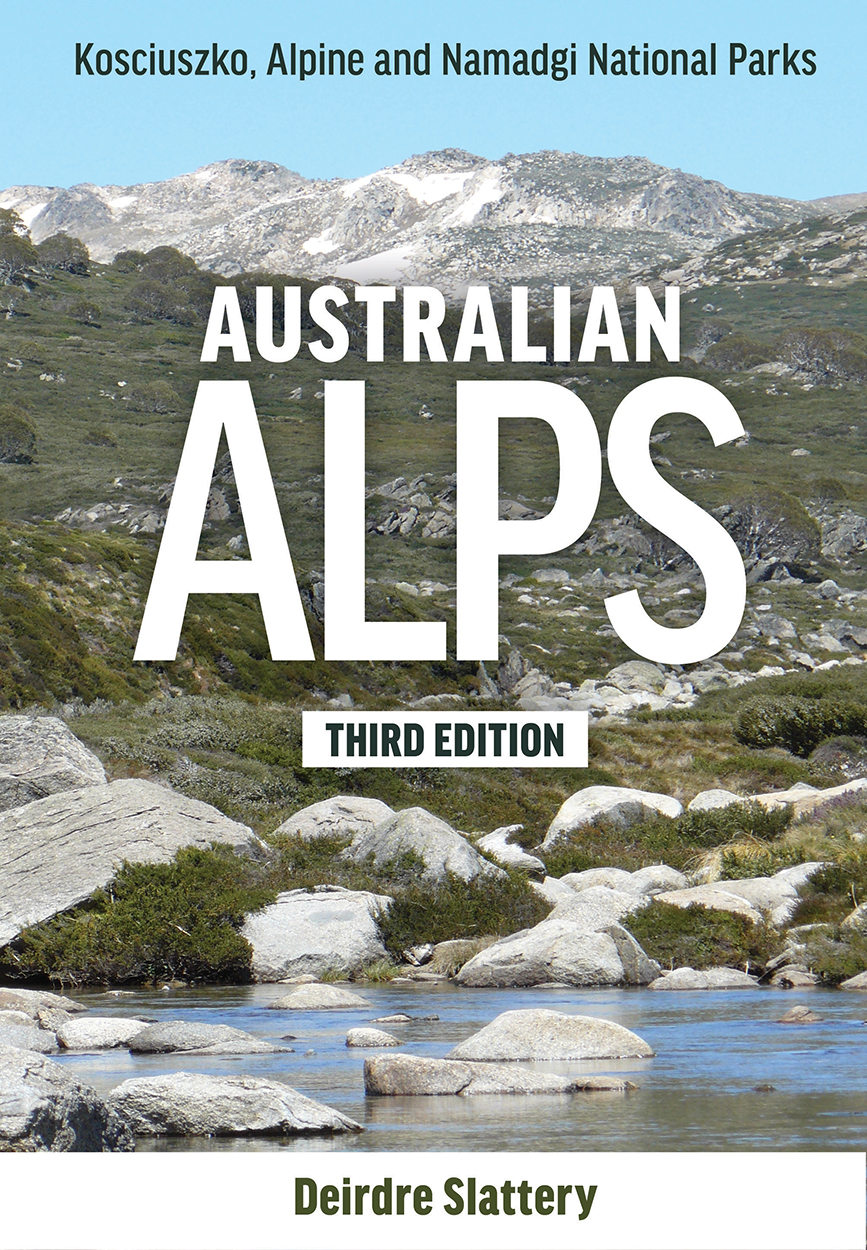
<point>713,1048</point>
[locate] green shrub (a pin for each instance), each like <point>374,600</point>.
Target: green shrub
<point>735,352</point>
<point>829,354</point>
<point>129,262</point>
<point>737,865</point>
<point>697,937</point>
<point>85,312</point>
<point>718,825</point>
<point>798,724</point>
<point>437,912</point>
<point>836,954</point>
<point>99,436</point>
<point>61,251</point>
<point>153,922</point>
<point>154,397</point>
<point>17,437</point>
<point>379,970</point>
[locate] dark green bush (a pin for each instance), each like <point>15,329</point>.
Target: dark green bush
<point>798,724</point>
<point>425,912</point>
<point>85,312</point>
<point>735,352</point>
<point>129,262</point>
<point>17,436</point>
<point>61,251</point>
<point>154,397</point>
<point>837,954</point>
<point>829,354</point>
<point>153,922</point>
<point>697,937</point>
<point>99,436</point>
<point>739,866</point>
<point>159,921</point>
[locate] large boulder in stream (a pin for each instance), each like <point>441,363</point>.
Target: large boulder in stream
<point>541,1034</point>
<point>404,1076</point>
<point>31,1002</point>
<point>99,1032</point>
<point>858,982</point>
<point>28,1037</point>
<point>707,979</point>
<point>39,755</point>
<point>370,1039</point>
<point>305,932</point>
<point>192,1037</point>
<point>57,851</point>
<point>43,1107</point>
<point>316,997</point>
<point>187,1104</point>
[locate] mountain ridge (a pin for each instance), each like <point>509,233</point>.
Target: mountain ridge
<point>449,217</point>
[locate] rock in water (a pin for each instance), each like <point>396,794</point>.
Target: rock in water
<point>370,1038</point>
<point>710,979</point>
<point>190,1104</point>
<point>315,997</point>
<point>800,1015</point>
<point>28,1037</point>
<point>619,806</point>
<point>541,1034</point>
<point>858,982</point>
<point>59,850</point>
<point>99,1032</point>
<point>31,1002</point>
<point>794,978</point>
<point>42,1107</point>
<point>39,755</point>
<point>342,816</point>
<point>186,1035</point>
<point>327,930</point>
<point>442,849</point>
<point>414,1076</point>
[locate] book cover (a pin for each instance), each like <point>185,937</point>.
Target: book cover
<point>433,624</point>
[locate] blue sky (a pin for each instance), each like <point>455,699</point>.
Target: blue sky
<point>796,136</point>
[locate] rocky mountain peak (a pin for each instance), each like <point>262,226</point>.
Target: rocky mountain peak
<point>448,217</point>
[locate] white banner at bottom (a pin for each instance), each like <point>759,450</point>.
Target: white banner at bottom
<point>310,1200</point>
